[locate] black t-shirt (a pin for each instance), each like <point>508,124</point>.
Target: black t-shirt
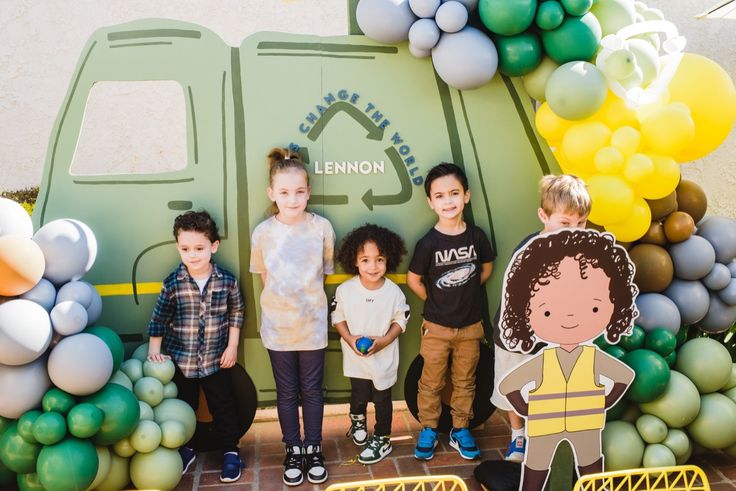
<point>450,266</point>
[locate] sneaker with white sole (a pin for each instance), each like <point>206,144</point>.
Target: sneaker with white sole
<point>358,430</point>
<point>188,456</point>
<point>426,442</point>
<point>516,450</point>
<point>231,466</point>
<point>314,463</point>
<point>377,448</point>
<point>462,440</point>
<point>293,466</point>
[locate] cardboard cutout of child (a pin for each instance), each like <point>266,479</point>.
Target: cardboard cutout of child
<point>566,289</point>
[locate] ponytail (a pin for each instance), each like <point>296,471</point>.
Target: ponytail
<point>281,160</point>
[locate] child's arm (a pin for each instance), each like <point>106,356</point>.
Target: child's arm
<point>154,350</point>
<point>485,272</point>
<point>382,341</point>
<point>344,331</point>
<point>236,308</point>
<point>230,355</point>
<point>161,318</point>
<point>415,283</point>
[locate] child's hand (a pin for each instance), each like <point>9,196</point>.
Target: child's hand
<point>157,357</point>
<point>229,357</point>
<point>379,343</point>
<point>351,340</point>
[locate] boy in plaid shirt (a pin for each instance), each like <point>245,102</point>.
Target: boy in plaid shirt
<point>196,322</point>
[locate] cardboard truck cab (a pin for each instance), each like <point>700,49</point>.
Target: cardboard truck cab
<point>370,119</point>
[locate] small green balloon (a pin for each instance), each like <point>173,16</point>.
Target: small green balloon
<point>140,353</point>
<point>617,410</point>
<point>658,455</point>
<point>17,454</point>
<point>661,341</point>
<point>49,428</point>
<point>677,441</point>
<point>25,425</point>
<point>57,400</point>
<point>577,7</point>
<point>576,90</point>
<point>4,423</point>
<point>616,351</point>
<point>647,58</point>
<point>29,482</point>
<point>84,420</point>
<point>682,335</point>
<point>70,465</point>
<point>671,359</point>
<point>601,342</point>
<point>651,428</point>
<point>507,17</point>
<point>633,341</point>
<point>652,375</point>
<point>519,54</point>
<point>613,14</point>
<point>575,39</point>
<point>550,15</point>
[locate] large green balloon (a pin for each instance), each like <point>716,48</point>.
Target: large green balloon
<point>58,400</point>
<point>623,448</point>
<point>84,420</point>
<point>70,465</point>
<point>658,455</point>
<point>178,410</point>
<point>577,38</point>
<point>117,477</point>
<point>49,428</point>
<point>160,469</point>
<point>121,411</point>
<point>113,341</point>
<point>6,475</point>
<point>652,375</point>
<point>679,403</point>
<point>706,362</point>
<point>519,54</point>
<point>714,427</point>
<point>507,17</point>
<point>576,90</point>
<point>29,482</point>
<point>17,454</point>
<point>25,424</point>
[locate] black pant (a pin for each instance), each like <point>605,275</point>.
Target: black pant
<point>364,392</point>
<point>218,392</point>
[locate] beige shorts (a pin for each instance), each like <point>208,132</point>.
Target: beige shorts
<point>503,362</point>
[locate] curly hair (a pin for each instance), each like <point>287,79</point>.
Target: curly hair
<point>389,244</point>
<point>537,263</point>
<point>196,221</point>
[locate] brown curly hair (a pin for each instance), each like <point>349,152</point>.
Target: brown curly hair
<point>539,261</point>
<point>389,244</point>
<point>196,221</point>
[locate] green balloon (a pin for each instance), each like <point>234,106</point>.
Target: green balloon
<point>616,351</point>
<point>160,469</point>
<point>617,410</point>
<point>652,375</point>
<point>613,14</point>
<point>679,403</point>
<point>706,362</point>
<point>70,465</point>
<point>84,420</point>
<point>25,425</point>
<point>519,54</point>
<point>58,400</point>
<point>29,482</point>
<point>651,428</point>
<point>633,341</point>
<point>49,428</point>
<point>577,7</point>
<point>6,475</point>
<point>117,477</point>
<point>507,17</point>
<point>576,90</point>
<point>17,454</point>
<point>728,385</point>
<point>671,359</point>
<point>4,423</point>
<point>677,441</point>
<point>140,353</point>
<point>661,341</point>
<point>550,15</point>
<point>622,446</point>
<point>113,341</point>
<point>682,335</point>
<point>121,413</point>
<point>647,58</point>
<point>577,38</point>
<point>658,455</point>
<point>600,341</point>
<point>714,426</point>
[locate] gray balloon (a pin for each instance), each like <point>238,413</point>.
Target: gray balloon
<point>720,316</point>
<point>424,34</point>
<point>657,310</point>
<point>44,294</point>
<point>718,278</point>
<point>693,258</point>
<point>75,291</point>
<point>22,387</point>
<point>386,21</point>
<point>94,311</point>
<point>466,59</point>
<point>691,299</point>
<point>424,8</point>
<point>732,268</point>
<point>721,233</point>
<point>469,4</point>
<point>418,52</point>
<point>728,294</point>
<point>451,16</point>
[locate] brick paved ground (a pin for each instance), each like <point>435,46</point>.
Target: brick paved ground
<point>263,453</point>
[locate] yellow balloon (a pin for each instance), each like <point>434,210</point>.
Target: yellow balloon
<point>638,168</point>
<point>550,126</point>
<point>611,198</point>
<point>709,92</point>
<point>582,141</point>
<point>662,181</point>
<point>635,225</point>
<point>668,130</point>
<point>609,160</point>
<point>626,139</point>
<point>615,113</point>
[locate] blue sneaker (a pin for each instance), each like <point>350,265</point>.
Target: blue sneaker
<point>231,465</point>
<point>188,456</point>
<point>516,450</point>
<point>426,442</point>
<point>462,440</point>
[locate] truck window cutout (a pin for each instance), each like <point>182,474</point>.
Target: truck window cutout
<point>132,128</point>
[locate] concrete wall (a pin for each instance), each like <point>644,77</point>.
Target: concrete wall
<point>42,40</point>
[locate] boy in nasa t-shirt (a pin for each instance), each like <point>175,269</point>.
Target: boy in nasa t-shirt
<point>450,264</point>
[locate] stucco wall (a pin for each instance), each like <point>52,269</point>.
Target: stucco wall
<point>42,40</point>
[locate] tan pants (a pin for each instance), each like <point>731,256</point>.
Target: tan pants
<point>439,343</point>
<point>586,445</point>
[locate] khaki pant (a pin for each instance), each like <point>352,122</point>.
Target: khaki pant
<point>586,446</point>
<point>439,343</point>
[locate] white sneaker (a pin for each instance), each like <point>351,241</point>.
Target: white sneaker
<point>377,448</point>
<point>358,430</point>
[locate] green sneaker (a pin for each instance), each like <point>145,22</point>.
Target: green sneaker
<point>375,450</point>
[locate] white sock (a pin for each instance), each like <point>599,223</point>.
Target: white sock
<point>517,433</point>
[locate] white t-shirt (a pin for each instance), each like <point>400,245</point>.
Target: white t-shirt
<point>295,259</point>
<point>371,313</point>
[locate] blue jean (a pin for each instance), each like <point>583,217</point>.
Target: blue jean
<point>299,373</point>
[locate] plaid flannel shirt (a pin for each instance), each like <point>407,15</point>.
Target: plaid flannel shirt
<point>195,325</point>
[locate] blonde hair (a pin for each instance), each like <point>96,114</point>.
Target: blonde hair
<point>566,193</point>
<point>281,160</point>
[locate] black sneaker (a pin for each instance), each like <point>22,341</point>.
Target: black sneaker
<point>293,466</point>
<point>358,430</point>
<point>231,466</point>
<point>188,456</point>
<point>314,463</point>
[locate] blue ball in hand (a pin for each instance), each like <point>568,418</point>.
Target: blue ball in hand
<point>363,344</point>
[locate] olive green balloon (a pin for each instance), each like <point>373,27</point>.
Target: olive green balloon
<point>17,454</point>
<point>651,428</point>
<point>678,405</point>
<point>706,362</point>
<point>507,17</point>
<point>550,15</point>
<point>29,482</point>
<point>58,400</point>
<point>160,469</point>
<point>658,455</point>
<point>622,446</point>
<point>103,465</point>
<point>714,428</point>
<point>535,82</point>
<point>576,90</point>
<point>84,420</point>
<point>49,428</point>
<point>577,38</point>
<point>70,465</point>
<point>519,54</point>
<point>25,424</point>
<point>117,477</point>
<point>677,441</point>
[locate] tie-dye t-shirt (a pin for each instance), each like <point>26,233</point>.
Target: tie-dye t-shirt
<point>295,259</point>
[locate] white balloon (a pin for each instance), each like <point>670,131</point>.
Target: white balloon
<point>70,249</point>
<point>424,8</point>
<point>80,364</point>
<point>22,387</point>
<point>386,21</point>
<point>424,34</point>
<point>470,5</point>
<point>76,291</point>
<point>14,220</point>
<point>451,16</point>
<point>44,294</point>
<point>25,332</point>
<point>466,59</point>
<point>68,318</point>
<point>418,52</point>
<point>94,311</point>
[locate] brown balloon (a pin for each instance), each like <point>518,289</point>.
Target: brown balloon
<point>655,235</point>
<point>691,199</point>
<point>654,268</point>
<point>678,226</point>
<point>663,206</point>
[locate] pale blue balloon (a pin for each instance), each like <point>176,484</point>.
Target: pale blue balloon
<point>451,16</point>
<point>424,34</point>
<point>424,8</point>
<point>466,59</point>
<point>657,310</point>
<point>718,278</point>
<point>692,258</point>
<point>385,21</point>
<point>691,299</point>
